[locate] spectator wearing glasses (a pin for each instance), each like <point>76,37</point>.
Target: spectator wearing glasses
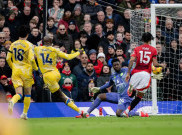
<point>2,39</point>
<point>69,90</point>
<point>78,69</point>
<point>63,38</point>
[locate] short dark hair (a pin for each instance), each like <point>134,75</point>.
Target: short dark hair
<point>146,37</point>
<point>115,60</point>
<point>23,31</point>
<point>47,40</point>
<point>2,58</point>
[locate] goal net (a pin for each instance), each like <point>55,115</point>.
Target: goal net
<point>164,21</point>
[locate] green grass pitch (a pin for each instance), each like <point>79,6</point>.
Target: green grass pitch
<point>154,125</point>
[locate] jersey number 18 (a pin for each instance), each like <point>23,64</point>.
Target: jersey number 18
<point>18,54</point>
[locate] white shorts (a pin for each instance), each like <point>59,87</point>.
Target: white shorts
<point>140,81</point>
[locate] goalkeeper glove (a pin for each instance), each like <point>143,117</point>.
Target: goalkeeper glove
<point>95,89</point>
<point>158,76</point>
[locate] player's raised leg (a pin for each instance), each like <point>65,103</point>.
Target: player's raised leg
<point>15,99</point>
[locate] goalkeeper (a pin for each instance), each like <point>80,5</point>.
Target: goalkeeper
<point>121,97</point>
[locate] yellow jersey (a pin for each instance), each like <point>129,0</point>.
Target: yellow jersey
<point>21,55</point>
<point>47,57</point>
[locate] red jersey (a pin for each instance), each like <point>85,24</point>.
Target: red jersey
<point>144,54</point>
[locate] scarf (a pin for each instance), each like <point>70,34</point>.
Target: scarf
<point>69,88</point>
<point>67,73</point>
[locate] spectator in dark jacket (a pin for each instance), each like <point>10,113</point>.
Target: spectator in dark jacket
<point>83,80</point>
<point>34,37</point>
<point>50,25</point>
<point>4,70</point>
<point>78,69</point>
<point>64,38</point>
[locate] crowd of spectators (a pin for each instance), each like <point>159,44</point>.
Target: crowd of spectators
<point>102,29</point>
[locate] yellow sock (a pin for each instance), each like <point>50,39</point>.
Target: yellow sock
<point>16,98</point>
<point>26,103</point>
<point>72,105</point>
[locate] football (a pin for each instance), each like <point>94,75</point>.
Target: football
<point>156,70</point>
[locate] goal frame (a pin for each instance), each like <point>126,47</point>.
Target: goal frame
<point>153,43</point>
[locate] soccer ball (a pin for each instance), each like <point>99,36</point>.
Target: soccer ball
<point>156,70</point>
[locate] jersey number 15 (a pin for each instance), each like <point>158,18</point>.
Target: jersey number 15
<point>144,57</point>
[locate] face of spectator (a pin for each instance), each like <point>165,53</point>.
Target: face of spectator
<point>27,2</point>
<point>111,50</point>
<point>77,45</point>
<point>169,24</point>
<point>41,27</point>
<point>109,10</point>
<point>41,2</point>
<point>12,16</point>
<point>117,66</point>
<point>32,25</point>
<point>77,11</point>
<point>180,39</point>
<point>2,63</point>
<point>180,64</point>
<point>68,13</point>
<point>171,2</point>
<point>83,39</point>
<point>119,52</point>
<point>121,59</point>
<point>2,38</point>
<point>110,37</point>
<point>6,31</point>
<point>27,11</point>
<point>36,18</point>
<point>101,49</point>
<point>91,2</point>
<point>35,32</point>
<point>98,29</point>
<point>109,25</point>
<point>60,2</point>
<point>56,3</point>
<point>127,36</point>
<point>2,23</point>
<point>120,29</point>
<point>138,7</point>
<point>67,68</point>
<point>158,48</point>
<point>179,14</point>
<point>50,23</point>
<point>133,46</point>
<point>84,58</point>
<point>87,27</point>
<point>3,54</point>
<point>10,3</point>
<point>180,30</point>
<point>87,17</point>
<point>158,33</point>
<point>106,69</point>
<point>72,27</point>
<point>100,16</point>
<point>162,1</point>
<point>102,59</point>
<point>62,29</point>
<point>119,37</point>
<point>4,81</point>
<point>174,44</point>
<point>90,67</point>
<point>127,14</point>
<point>72,1</point>
<point>93,56</point>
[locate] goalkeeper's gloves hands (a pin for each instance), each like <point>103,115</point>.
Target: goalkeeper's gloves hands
<point>95,89</point>
<point>158,76</point>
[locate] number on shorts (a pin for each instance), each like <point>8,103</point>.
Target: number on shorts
<point>47,59</point>
<point>18,54</point>
<point>144,57</point>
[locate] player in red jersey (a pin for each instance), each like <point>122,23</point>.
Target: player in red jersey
<point>140,79</point>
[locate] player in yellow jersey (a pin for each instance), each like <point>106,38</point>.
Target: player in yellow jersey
<point>21,59</point>
<point>47,57</point>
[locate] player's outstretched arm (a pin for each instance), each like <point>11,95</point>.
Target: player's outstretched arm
<point>132,59</point>
<point>67,56</point>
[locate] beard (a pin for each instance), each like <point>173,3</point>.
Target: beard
<point>90,70</point>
